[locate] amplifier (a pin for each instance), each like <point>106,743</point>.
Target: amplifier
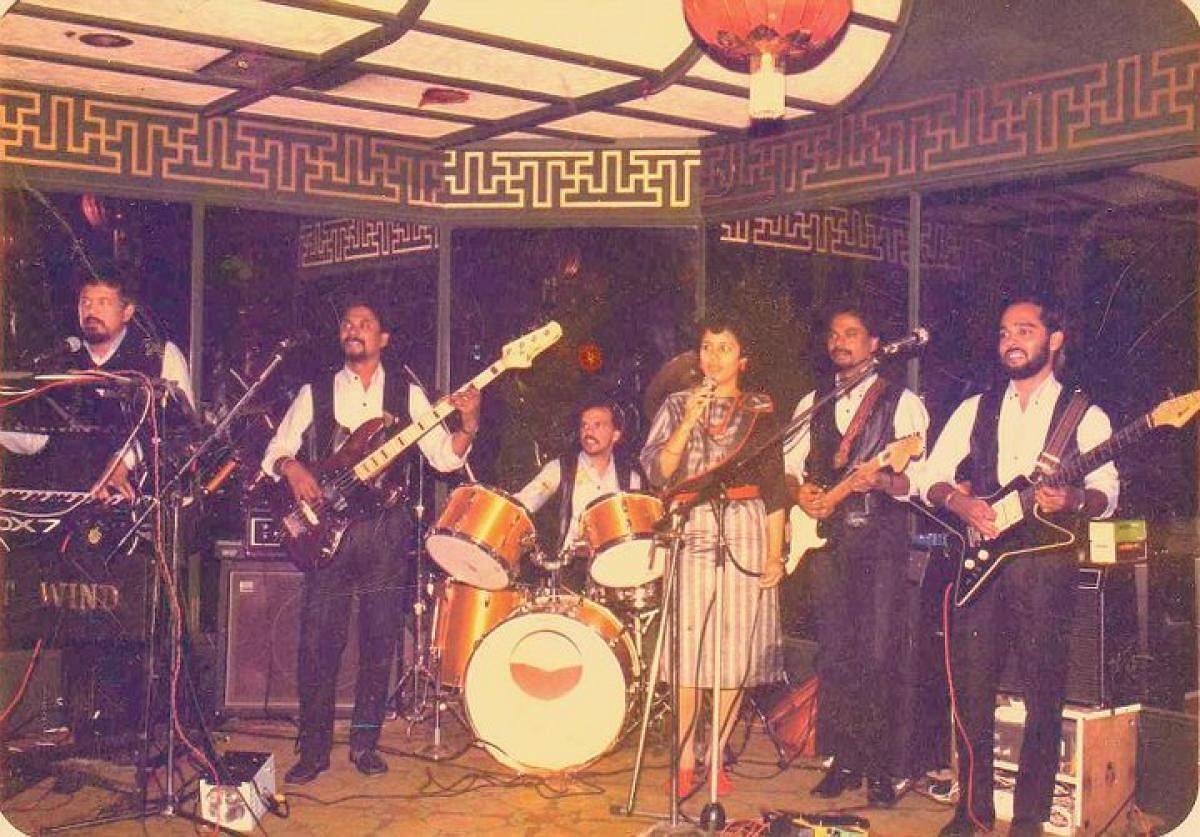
<point>262,539</point>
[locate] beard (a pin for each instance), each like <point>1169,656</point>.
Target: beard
<point>354,350</point>
<point>1035,364</point>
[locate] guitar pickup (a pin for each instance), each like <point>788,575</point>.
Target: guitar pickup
<point>1008,511</point>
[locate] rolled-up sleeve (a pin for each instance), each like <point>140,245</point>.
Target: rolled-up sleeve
<point>290,433</point>
<point>541,488</point>
<point>952,447</point>
<point>665,421</point>
<point>437,445</point>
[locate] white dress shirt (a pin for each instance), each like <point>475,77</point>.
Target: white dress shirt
<point>352,405</point>
<point>175,370</point>
<point>1021,437</point>
<point>911,417</point>
<point>589,485</point>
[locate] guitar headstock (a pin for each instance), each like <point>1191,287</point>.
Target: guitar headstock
<point>899,452</point>
<point>1176,412</point>
<point>519,353</point>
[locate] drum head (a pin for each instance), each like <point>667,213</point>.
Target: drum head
<point>467,561</point>
<point>630,564</point>
<point>545,693</point>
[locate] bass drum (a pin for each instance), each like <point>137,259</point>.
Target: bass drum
<point>546,691</point>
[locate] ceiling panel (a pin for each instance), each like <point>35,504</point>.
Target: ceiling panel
<point>390,6</point>
<point>106,81</point>
<point>250,21</point>
<point>146,51</point>
<point>644,34</point>
<point>451,57</point>
<point>621,127</point>
<point>882,9</point>
<point>329,114</point>
<point>702,105</point>
<point>399,91</point>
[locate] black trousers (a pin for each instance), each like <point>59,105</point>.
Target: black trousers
<point>373,565</point>
<point>860,584</point>
<point>1026,608</point>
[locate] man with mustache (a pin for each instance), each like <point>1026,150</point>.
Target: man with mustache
<point>105,309</point>
<point>576,478</point>
<point>989,440</point>
<point>860,576</point>
<point>370,561</point>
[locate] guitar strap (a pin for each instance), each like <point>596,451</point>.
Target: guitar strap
<point>1051,456</point>
<point>842,455</point>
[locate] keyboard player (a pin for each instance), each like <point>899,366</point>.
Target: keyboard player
<point>105,309</point>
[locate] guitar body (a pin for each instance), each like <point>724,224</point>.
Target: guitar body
<point>312,532</point>
<point>803,538</point>
<point>1030,533</point>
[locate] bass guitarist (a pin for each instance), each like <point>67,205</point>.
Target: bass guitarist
<point>859,580</point>
<point>989,440</point>
<point>369,561</point>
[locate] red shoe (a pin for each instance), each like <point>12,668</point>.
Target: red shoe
<point>687,783</point>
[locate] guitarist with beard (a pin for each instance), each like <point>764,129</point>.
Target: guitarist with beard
<point>860,579</point>
<point>989,440</point>
<point>370,558</point>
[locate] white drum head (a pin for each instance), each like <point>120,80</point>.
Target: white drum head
<point>544,693</point>
<point>629,564</point>
<point>467,562</point>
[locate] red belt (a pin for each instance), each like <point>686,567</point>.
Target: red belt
<point>735,492</point>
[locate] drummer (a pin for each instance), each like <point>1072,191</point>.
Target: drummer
<point>592,470</point>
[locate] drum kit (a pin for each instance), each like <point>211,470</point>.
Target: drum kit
<point>544,676</point>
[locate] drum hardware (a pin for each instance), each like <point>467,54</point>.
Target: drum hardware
<point>480,536</point>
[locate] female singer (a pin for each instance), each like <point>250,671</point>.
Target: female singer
<point>694,431</point>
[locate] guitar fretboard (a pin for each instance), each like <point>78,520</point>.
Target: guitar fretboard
<point>373,465</point>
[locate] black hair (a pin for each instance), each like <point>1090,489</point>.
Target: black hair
<point>363,302</point>
<point>865,314</point>
<point>601,402</point>
<point>1049,307</point>
<point>716,323</point>
<point>107,273</point>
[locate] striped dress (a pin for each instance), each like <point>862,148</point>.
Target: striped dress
<point>752,646</point>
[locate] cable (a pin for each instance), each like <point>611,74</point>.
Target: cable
<point>20,693</point>
<point>969,790</point>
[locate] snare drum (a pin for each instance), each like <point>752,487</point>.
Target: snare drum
<point>620,530</point>
<point>547,690</point>
<point>480,536</point>
<point>462,616</point>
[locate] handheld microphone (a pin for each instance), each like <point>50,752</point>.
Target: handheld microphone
<point>915,340</point>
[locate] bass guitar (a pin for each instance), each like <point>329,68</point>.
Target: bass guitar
<point>1023,528</point>
<point>804,536</point>
<point>312,532</point>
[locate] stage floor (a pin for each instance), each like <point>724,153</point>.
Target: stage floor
<point>469,793</point>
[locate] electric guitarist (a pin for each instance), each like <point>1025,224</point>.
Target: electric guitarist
<point>859,579</point>
<point>990,440</point>
<point>369,561</point>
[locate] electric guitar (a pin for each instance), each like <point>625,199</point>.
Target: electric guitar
<point>1024,529</point>
<point>313,531</point>
<point>803,535</point>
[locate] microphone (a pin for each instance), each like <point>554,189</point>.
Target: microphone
<point>915,340</point>
<point>64,346</point>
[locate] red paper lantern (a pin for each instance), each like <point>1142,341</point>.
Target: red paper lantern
<point>765,37</point>
<point>591,358</point>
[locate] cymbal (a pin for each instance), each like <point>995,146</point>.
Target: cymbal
<point>680,372</point>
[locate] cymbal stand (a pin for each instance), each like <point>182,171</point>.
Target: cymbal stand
<point>421,676</point>
<point>670,625</point>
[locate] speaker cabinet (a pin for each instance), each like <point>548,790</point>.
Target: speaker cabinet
<point>1102,666</point>
<point>260,636</point>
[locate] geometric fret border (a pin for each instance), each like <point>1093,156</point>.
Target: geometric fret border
<point>1136,103</point>
<point>849,233</point>
<point>354,240</point>
<point>1124,110</point>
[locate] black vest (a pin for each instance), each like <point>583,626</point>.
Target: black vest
<point>877,432</point>
<point>981,463</point>
<point>568,465</point>
<point>321,434</point>
<point>77,459</point>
